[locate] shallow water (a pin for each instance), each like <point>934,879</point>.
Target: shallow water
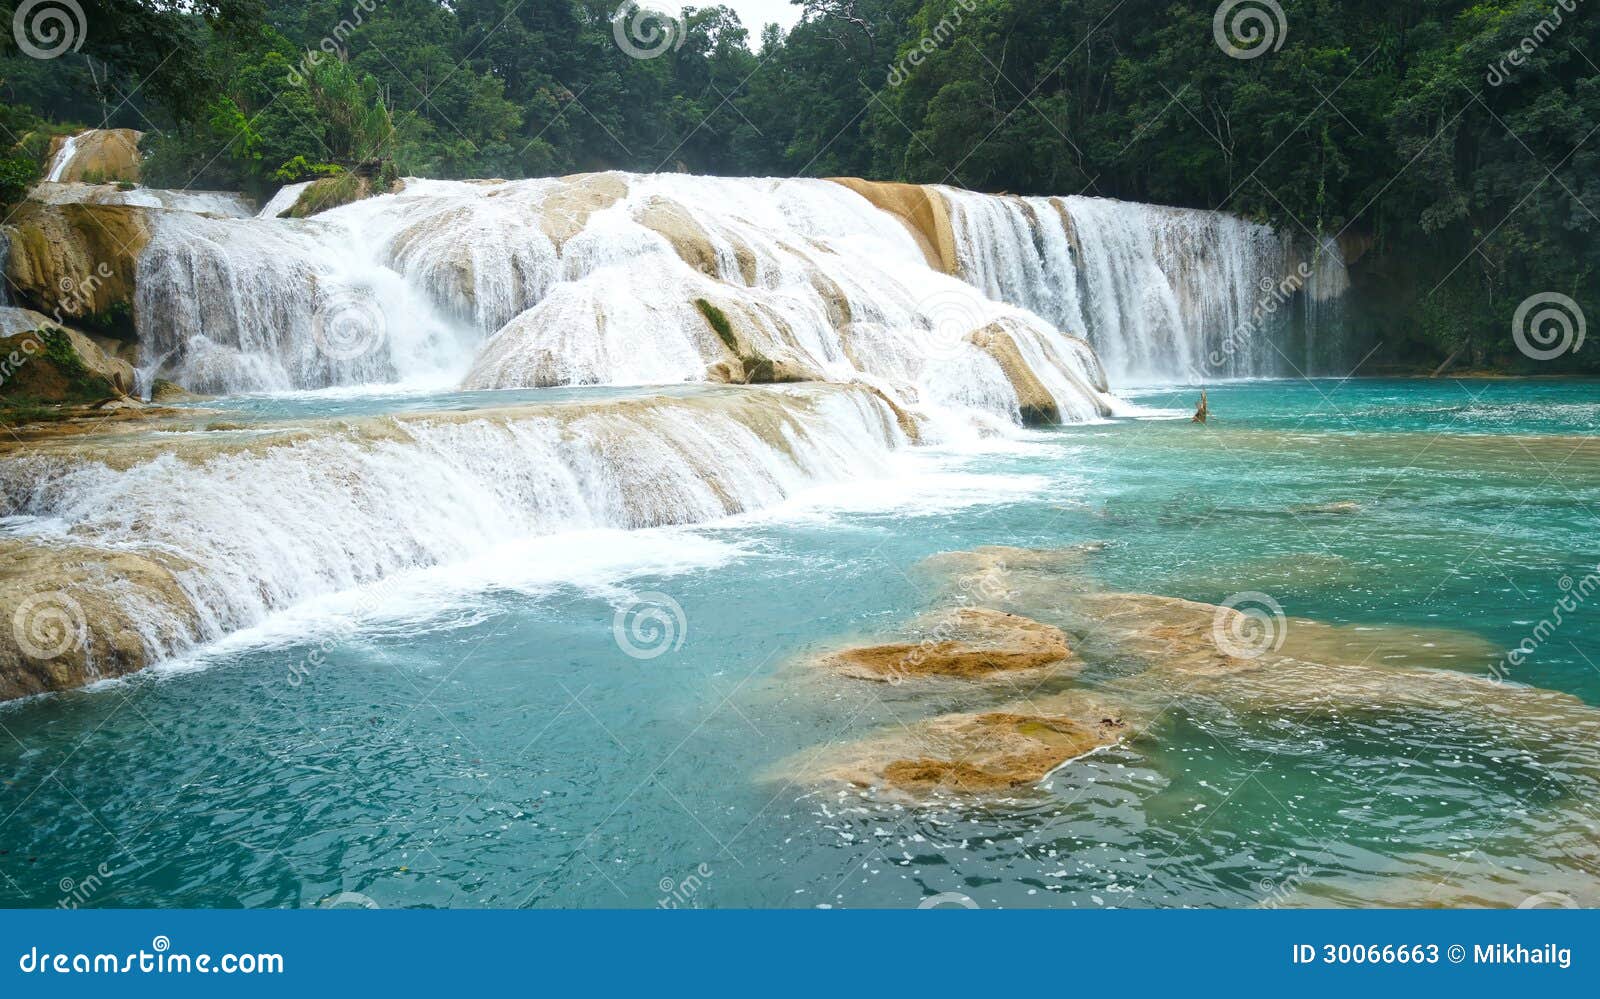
<point>475,735</point>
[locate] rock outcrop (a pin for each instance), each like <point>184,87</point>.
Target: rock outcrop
<point>48,365</point>
<point>962,643</point>
<point>1001,751</point>
<point>78,261</point>
<point>69,619</point>
<point>921,209</point>
<point>1037,405</point>
<point>100,155</point>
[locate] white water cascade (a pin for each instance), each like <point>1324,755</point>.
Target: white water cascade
<point>597,279</point>
<point>1161,293</point>
<point>258,519</point>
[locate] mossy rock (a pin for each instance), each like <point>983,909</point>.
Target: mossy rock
<point>43,370</point>
<point>339,190</point>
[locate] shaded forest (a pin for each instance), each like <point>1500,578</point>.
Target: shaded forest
<point>1449,145</point>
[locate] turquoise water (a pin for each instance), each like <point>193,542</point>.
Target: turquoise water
<point>475,737</point>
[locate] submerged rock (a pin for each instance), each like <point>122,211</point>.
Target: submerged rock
<point>963,643</point>
<point>999,751</point>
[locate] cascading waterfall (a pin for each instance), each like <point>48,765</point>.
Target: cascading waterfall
<point>62,160</point>
<point>596,279</point>
<point>234,305</point>
<point>1162,293</point>
<point>337,508</point>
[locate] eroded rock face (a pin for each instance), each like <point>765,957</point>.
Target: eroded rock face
<point>963,643</point>
<point>1037,405</point>
<point>78,260</point>
<point>921,209</point>
<point>101,155</point>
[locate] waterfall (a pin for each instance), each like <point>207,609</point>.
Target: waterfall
<point>255,520</point>
<point>595,279</point>
<point>224,203</point>
<point>284,200</point>
<point>1161,293</point>
<point>236,305</point>
<point>62,161</point>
